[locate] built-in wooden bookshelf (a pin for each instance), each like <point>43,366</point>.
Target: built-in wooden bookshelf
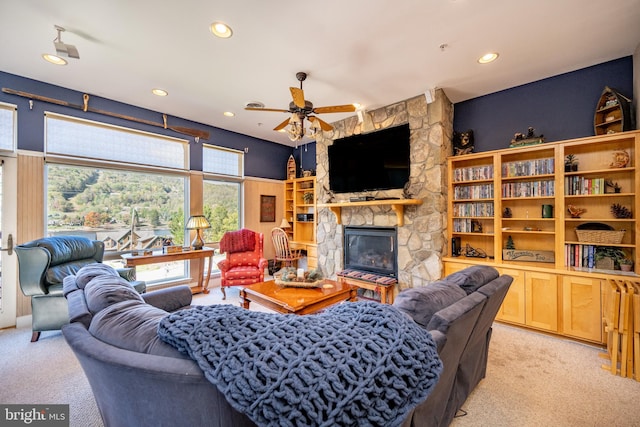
<point>300,212</point>
<point>496,200</point>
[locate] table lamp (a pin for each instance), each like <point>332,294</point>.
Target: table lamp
<point>285,224</point>
<point>197,222</point>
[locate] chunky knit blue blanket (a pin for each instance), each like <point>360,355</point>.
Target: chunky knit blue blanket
<point>360,363</point>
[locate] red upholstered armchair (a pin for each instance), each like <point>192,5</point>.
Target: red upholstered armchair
<point>245,262</point>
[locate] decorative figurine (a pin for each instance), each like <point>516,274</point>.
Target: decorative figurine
<point>620,211</point>
<point>463,142</point>
<point>611,187</point>
<point>510,244</point>
<point>575,211</point>
<point>331,198</point>
<point>520,139</point>
<point>620,159</point>
<point>405,190</point>
<point>506,213</point>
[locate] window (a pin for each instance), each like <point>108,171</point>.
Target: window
<point>100,184</point>
<point>222,161</point>
<point>7,125</point>
<point>222,192</point>
<point>221,207</point>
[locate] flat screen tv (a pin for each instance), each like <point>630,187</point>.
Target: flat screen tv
<point>372,161</point>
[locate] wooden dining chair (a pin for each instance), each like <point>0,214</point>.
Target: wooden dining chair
<point>284,254</point>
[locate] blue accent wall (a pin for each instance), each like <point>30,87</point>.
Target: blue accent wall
<point>560,107</point>
<point>305,156</point>
<point>264,159</point>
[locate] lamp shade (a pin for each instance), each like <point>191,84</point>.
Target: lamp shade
<point>285,223</point>
<point>197,222</point>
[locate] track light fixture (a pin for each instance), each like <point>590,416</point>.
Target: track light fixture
<point>63,49</point>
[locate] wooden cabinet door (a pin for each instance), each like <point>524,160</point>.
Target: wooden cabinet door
<point>541,300</point>
<point>581,303</point>
<point>453,267</point>
<point>513,307</point>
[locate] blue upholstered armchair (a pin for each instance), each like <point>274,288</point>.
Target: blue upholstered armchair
<point>43,265</point>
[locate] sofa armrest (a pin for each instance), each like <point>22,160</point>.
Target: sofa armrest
<point>129,274</point>
<point>32,264</point>
<point>169,299</point>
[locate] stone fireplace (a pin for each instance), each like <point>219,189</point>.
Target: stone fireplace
<point>421,241</point>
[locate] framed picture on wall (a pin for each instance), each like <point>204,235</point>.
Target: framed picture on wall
<point>267,208</point>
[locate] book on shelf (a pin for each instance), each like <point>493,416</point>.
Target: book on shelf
<point>528,168</point>
<point>579,255</point>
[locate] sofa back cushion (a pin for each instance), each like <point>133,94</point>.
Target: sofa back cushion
<point>68,248</point>
<point>88,272</point>
<point>472,278</point>
<point>132,325</point>
<point>67,255</point>
<point>421,303</point>
<point>106,290</point>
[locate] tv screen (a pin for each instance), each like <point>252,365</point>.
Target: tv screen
<point>372,161</point>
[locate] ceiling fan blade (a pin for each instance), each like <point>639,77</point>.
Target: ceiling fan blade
<point>348,108</point>
<point>298,96</point>
<point>282,125</point>
<point>323,125</point>
<point>266,109</point>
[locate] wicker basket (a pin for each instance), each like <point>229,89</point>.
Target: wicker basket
<point>600,236</point>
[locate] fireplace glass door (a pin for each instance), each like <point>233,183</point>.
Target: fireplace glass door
<point>372,249</point>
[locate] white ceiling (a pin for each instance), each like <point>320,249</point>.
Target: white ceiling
<point>375,52</point>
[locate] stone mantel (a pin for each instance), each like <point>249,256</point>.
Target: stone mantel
<point>396,204</point>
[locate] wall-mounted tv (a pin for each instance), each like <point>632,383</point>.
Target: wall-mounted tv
<point>372,161</point>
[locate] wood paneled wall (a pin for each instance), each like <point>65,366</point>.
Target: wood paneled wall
<point>30,210</point>
<point>253,189</point>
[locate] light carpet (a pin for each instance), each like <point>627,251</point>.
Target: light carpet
<point>532,379</point>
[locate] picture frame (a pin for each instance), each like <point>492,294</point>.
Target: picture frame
<point>267,208</point>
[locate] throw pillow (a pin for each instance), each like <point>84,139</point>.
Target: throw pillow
<point>423,302</point>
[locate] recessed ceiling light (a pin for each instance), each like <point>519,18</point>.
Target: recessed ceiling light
<point>53,59</point>
<point>488,57</point>
<point>159,92</point>
<point>228,114</point>
<point>220,29</point>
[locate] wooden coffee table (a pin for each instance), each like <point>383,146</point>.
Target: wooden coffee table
<point>291,300</point>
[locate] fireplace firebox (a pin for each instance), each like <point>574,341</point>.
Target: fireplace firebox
<point>372,249</point>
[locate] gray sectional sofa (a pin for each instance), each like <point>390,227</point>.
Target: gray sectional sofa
<point>138,379</point>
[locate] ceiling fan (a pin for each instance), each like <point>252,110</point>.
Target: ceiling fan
<point>301,109</point>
